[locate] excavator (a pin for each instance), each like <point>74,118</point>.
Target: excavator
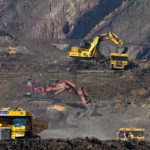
<point>90,51</point>
<point>55,87</point>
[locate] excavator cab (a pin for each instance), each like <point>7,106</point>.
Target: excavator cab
<point>85,44</point>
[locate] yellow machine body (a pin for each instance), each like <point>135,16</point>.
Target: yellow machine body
<point>137,134</point>
<point>119,61</point>
<point>60,108</point>
<point>87,53</point>
<point>20,122</point>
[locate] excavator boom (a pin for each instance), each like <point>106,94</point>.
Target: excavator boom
<point>112,37</point>
<point>70,87</point>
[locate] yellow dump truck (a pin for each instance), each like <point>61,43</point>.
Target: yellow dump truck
<point>18,123</point>
<point>119,61</point>
<point>125,134</point>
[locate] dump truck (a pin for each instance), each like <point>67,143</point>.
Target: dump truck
<point>119,61</point>
<point>127,134</point>
<point>20,124</point>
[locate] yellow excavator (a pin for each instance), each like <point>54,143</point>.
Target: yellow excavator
<point>118,60</point>
<point>19,124</point>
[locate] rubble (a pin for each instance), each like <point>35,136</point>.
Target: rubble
<point>75,144</point>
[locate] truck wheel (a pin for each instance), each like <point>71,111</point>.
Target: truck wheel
<point>37,137</point>
<point>126,67</point>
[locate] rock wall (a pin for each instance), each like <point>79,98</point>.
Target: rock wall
<point>77,19</point>
<point>42,19</point>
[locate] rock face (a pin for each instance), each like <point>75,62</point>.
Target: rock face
<point>48,19</point>
<point>42,19</point>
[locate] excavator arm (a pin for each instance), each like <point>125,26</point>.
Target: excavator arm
<point>113,38</point>
<point>59,87</point>
<point>83,96</point>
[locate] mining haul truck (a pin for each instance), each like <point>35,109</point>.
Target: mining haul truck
<point>19,124</point>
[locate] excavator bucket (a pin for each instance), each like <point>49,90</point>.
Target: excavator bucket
<point>92,109</point>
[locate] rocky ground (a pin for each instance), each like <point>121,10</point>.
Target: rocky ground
<point>28,52</point>
<point>75,144</point>
<point>122,97</point>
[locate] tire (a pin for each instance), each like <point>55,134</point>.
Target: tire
<point>37,137</point>
<point>126,67</point>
